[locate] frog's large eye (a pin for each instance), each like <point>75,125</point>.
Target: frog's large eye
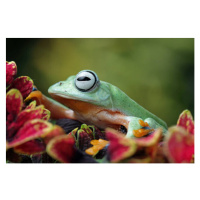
<point>86,80</point>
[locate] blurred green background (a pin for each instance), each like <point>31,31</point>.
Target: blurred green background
<point>158,73</point>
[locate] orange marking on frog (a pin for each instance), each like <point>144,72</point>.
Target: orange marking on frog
<point>142,132</point>
<point>143,124</point>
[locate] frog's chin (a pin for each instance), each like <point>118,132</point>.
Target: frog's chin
<point>62,97</point>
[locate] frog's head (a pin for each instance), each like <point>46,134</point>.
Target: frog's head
<point>85,87</point>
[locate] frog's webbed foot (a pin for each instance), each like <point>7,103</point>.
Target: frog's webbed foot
<point>138,128</point>
<point>145,130</point>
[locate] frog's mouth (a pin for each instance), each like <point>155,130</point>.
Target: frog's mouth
<point>76,104</point>
<point>65,97</point>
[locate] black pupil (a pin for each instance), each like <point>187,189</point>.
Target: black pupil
<point>83,78</point>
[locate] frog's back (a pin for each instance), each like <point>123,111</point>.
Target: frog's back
<point>129,107</point>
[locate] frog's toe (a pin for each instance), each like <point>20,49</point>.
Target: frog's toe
<point>142,131</point>
<point>134,124</point>
<point>145,130</point>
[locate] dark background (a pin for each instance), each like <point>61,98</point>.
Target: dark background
<point>158,73</point>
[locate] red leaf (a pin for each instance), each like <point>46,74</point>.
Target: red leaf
<point>62,148</point>
<point>186,121</point>
<point>29,114</point>
<point>31,130</point>
<point>149,144</point>
<point>120,147</point>
<point>22,118</point>
<point>24,84</point>
<point>150,140</point>
<point>56,131</point>
<point>32,105</point>
<point>179,145</point>
<point>11,71</point>
<point>46,114</point>
<point>14,102</point>
<point>31,147</point>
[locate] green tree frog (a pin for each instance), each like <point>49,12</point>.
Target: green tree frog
<point>102,104</point>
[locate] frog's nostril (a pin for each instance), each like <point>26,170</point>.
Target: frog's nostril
<point>60,83</point>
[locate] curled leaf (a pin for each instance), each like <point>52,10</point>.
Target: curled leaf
<point>55,131</point>
<point>36,142</point>
<point>148,146</point>
<point>32,129</point>
<point>150,140</point>
<point>120,147</point>
<point>62,148</point>
<point>22,118</point>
